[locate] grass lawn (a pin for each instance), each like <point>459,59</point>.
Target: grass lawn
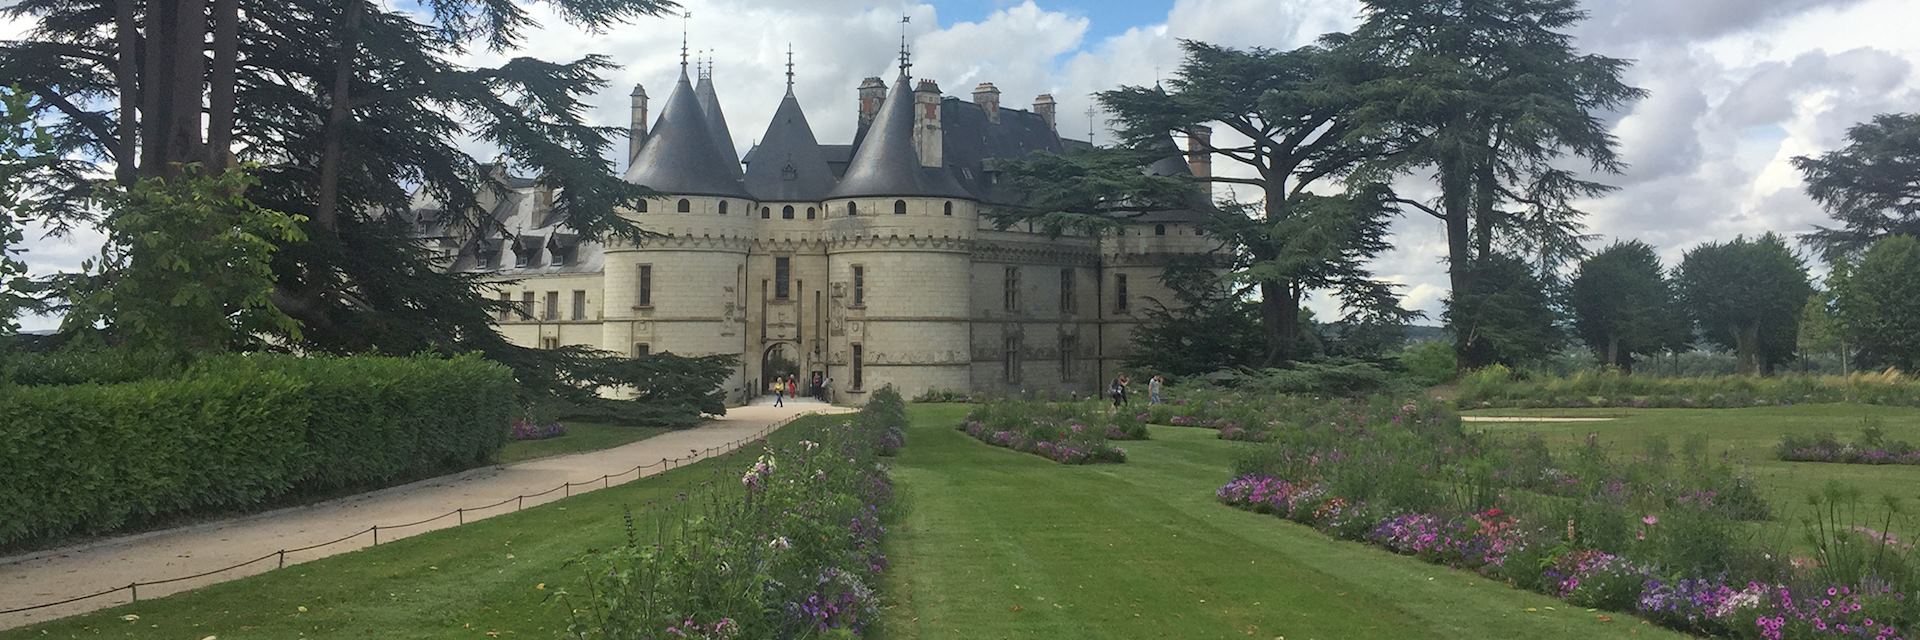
<point>482,580</point>
<point>1747,437</point>
<point>581,436</point>
<point>994,543</point>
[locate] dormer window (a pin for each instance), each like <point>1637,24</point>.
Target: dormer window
<point>789,173</point>
<point>523,257</point>
<point>686,205</point>
<point>899,207</point>
<point>561,257</point>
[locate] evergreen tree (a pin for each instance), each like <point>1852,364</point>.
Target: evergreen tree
<point>1623,306</point>
<point>1877,301</point>
<point>25,153</point>
<point>1746,295</point>
<point>1506,313</point>
<point>1491,96</point>
<point>1292,109</point>
<point>1210,327</point>
<point>1872,186</point>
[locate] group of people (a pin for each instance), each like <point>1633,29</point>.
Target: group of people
<point>782,388</point>
<point>1118,389</point>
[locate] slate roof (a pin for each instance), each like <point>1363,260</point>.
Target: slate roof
<point>717,123</point>
<point>886,163</point>
<point>788,164</point>
<point>681,155</point>
<point>972,139</point>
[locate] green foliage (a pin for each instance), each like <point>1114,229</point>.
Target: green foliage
<point>188,265</point>
<point>232,432</point>
<point>25,150</point>
<point>1504,316</point>
<point>1820,330</point>
<point>1499,387</point>
<point>1209,328</point>
<point>1868,186</point>
<point>1746,295</point>
<point>77,366</point>
<point>1429,362</point>
<point>1328,378</point>
<point>1623,306</point>
<point>1877,300</point>
<point>1064,432</point>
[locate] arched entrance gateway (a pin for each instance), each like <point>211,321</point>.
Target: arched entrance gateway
<point>778,362</point>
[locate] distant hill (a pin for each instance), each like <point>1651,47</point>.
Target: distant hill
<point>1427,333</point>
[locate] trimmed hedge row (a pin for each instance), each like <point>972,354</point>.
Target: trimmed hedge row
<point>235,431</point>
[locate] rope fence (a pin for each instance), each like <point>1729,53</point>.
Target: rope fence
<point>605,481</point>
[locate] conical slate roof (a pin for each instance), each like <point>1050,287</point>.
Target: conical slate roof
<point>717,123</point>
<point>788,164</point>
<point>886,163</point>
<point>680,155</point>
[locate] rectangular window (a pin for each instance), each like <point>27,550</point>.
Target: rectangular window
<point>526,305</point>
<point>560,257</point>
<point>506,306</point>
<point>522,257</point>
<point>859,286</point>
<point>646,286</point>
<point>552,311</point>
<point>1120,292</point>
<point>1010,359</point>
<point>642,349</point>
<point>549,342</point>
<point>579,305</point>
<point>1067,347</point>
<point>782,271</point>
<point>859,369</point>
<point>1013,289</point>
<point>1067,304</point>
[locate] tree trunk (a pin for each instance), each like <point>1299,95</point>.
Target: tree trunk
<point>156,91</point>
<point>220,82</point>
<point>1455,206</point>
<point>1746,348</point>
<point>1280,318</point>
<point>189,74</point>
<point>1613,351</point>
<point>1485,211</point>
<point>127,81</point>
<point>325,215</point>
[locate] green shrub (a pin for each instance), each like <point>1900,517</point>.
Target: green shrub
<point>1350,379</point>
<point>1429,363</point>
<point>1498,386</point>
<point>82,367</point>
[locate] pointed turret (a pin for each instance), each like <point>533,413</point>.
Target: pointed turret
<point>717,121</point>
<point>887,162</point>
<point>681,156</point>
<point>788,165</point>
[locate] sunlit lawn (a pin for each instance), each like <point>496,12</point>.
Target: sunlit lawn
<point>1000,544</point>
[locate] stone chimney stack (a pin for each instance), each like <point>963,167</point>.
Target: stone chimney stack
<point>988,97</point>
<point>1043,105</point>
<point>1199,159</point>
<point>872,93</point>
<point>637,124</point>
<point>927,136</point>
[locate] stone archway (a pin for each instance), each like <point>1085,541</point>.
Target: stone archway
<point>780,360</point>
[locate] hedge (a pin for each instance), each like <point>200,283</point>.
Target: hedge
<point>1497,386</point>
<point>237,431</point>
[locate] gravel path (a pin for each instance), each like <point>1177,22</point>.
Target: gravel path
<point>57,574</point>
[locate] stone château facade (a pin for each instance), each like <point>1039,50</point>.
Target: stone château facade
<point>866,263</point>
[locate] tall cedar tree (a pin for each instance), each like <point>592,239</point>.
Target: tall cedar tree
<point>1288,112</point>
<point>1877,301</point>
<point>1511,318</point>
<point>1746,295</point>
<point>1489,95</point>
<point>345,105</point>
<point>26,153</point>
<point>1207,328</point>
<point>1871,187</point>
<point>1623,305</point>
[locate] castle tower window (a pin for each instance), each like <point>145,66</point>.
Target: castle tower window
<point>852,209</point>
<point>947,208</point>
<point>723,207</point>
<point>766,213</point>
<point>1013,289</point>
<point>642,349</point>
<point>1067,347</point>
<point>809,213</point>
<point>1199,231</point>
<point>1067,304</point>
<point>645,298</point>
<point>859,368</point>
<point>782,274</point>
<point>859,285</point>
<point>1120,293</point>
<point>686,205</point>
<point>786,212</point>
<point>1159,229</point>
<point>1010,358</point>
<point>899,207</point>
<point>642,207</point>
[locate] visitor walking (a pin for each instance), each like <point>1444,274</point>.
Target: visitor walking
<point>1153,389</point>
<point>792,385</point>
<point>826,391</point>
<point>1118,390</point>
<point>779,393</point>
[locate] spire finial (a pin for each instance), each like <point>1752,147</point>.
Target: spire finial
<point>684,17</point>
<point>906,57</point>
<point>789,68</point>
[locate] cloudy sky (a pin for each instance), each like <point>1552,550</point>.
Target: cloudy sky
<point>1738,87</point>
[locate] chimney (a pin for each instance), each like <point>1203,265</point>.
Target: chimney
<point>1043,105</point>
<point>1199,159</point>
<point>872,93</point>
<point>638,133</point>
<point>926,123</point>
<point>988,97</point>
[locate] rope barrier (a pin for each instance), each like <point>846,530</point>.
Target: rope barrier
<point>605,480</point>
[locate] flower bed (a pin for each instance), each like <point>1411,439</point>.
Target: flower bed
<point>1068,433</point>
<point>1871,448</point>
<point>791,551</point>
<point>526,430</point>
<point>1497,386</point>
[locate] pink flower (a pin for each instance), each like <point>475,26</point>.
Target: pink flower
<point>1651,520</point>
